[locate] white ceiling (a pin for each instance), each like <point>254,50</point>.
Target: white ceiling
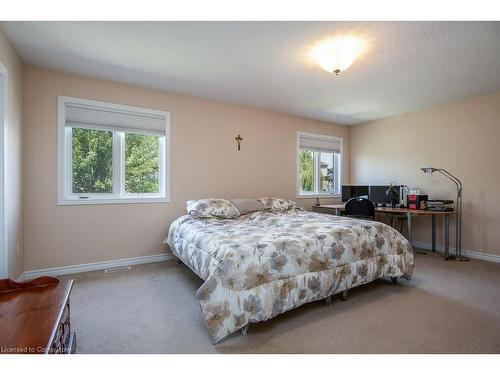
<point>408,65</point>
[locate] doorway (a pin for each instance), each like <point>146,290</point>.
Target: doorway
<point>3,232</point>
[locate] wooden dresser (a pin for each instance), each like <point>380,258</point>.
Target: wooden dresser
<point>35,316</point>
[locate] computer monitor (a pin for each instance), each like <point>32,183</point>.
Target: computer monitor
<point>349,191</point>
<point>378,194</point>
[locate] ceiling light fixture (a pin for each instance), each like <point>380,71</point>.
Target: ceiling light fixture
<point>337,54</point>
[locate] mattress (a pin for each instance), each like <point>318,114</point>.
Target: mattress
<point>265,263</point>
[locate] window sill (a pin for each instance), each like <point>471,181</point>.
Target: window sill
<point>79,202</point>
<point>312,196</point>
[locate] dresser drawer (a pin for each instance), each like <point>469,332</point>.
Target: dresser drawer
<point>63,342</point>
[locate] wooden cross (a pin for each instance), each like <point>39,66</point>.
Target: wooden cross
<point>239,139</point>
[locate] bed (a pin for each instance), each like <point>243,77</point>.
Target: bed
<point>263,263</point>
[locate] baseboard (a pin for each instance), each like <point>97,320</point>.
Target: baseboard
<point>469,253</point>
<point>66,270</point>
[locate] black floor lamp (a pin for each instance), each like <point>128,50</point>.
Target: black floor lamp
<point>458,232</point>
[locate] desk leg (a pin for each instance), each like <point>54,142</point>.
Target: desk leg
<point>433,232</point>
<point>446,236</point>
<point>408,217</point>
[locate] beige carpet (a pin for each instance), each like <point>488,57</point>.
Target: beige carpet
<point>447,307</point>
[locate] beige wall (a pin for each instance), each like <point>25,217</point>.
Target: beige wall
<point>204,163</point>
<point>13,156</point>
<point>462,137</point>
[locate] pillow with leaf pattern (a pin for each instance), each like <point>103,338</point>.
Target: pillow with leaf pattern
<point>212,207</point>
<point>278,204</point>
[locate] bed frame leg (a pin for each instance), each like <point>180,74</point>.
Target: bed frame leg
<point>327,301</point>
<point>344,295</point>
<point>245,329</point>
<point>394,279</point>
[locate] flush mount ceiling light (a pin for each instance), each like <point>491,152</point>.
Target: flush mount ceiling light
<point>338,53</point>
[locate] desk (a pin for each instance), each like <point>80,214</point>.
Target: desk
<point>336,208</point>
<point>329,208</point>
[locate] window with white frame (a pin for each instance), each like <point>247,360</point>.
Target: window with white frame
<point>318,165</point>
<point>110,153</point>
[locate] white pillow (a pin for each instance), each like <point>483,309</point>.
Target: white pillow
<point>245,206</point>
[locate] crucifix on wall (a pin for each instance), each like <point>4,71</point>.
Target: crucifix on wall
<point>239,140</point>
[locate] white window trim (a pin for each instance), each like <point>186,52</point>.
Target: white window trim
<point>64,197</point>
<point>301,195</point>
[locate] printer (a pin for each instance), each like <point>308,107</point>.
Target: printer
<point>440,205</point>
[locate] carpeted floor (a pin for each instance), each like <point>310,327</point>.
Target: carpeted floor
<point>447,307</point>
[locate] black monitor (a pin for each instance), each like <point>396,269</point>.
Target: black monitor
<point>378,194</point>
<point>349,192</point>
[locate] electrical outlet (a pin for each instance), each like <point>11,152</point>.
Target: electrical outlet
<point>18,249</point>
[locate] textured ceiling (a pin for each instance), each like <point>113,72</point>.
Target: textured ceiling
<point>407,66</point>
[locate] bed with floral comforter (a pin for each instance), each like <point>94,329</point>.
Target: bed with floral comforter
<point>262,264</point>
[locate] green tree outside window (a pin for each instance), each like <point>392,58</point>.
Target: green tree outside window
<point>306,164</point>
<point>92,160</point>
<point>142,163</point>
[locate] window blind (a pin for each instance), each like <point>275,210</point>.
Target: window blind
<point>94,117</point>
<point>320,143</point>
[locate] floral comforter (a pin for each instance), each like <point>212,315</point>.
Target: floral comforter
<point>262,264</point>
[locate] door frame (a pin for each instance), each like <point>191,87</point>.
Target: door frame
<point>4,272</point>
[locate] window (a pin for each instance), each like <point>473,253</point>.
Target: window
<point>111,153</point>
<point>318,165</point>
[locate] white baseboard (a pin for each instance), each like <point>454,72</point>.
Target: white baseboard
<point>469,253</point>
<point>66,270</point>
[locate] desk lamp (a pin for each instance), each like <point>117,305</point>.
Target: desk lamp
<point>458,231</point>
